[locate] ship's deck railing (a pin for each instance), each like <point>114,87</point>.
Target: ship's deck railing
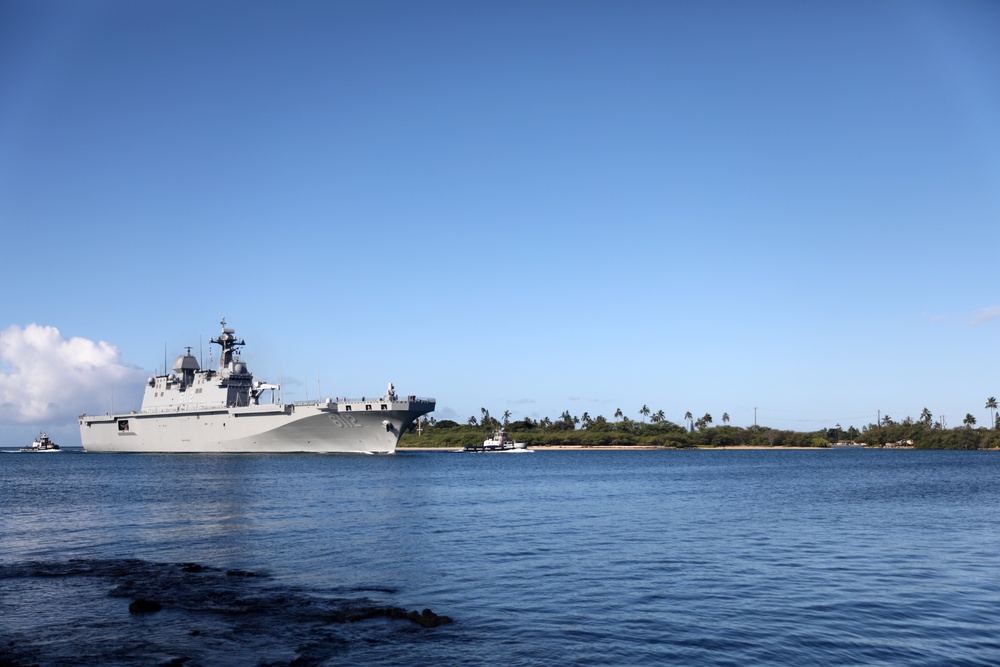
<point>372,399</point>
<point>187,407</point>
<point>192,407</point>
<point>384,399</point>
<point>196,407</point>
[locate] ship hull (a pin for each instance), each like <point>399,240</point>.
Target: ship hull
<point>319,428</point>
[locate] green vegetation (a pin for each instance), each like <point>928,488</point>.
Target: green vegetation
<point>587,431</point>
<point>925,433</point>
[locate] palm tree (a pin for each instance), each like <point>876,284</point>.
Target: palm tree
<point>926,417</point>
<point>644,412</point>
<point>690,420</point>
<point>506,417</point>
<point>660,417</point>
<point>707,419</point>
<point>725,417</point>
<point>991,403</point>
<point>618,413</point>
<point>969,420</point>
<point>586,419</point>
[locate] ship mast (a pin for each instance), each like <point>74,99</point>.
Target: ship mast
<point>230,346</point>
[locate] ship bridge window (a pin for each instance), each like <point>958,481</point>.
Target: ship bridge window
<point>348,408</point>
<point>368,406</point>
<point>385,407</point>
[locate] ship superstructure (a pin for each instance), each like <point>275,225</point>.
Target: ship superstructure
<point>194,410</point>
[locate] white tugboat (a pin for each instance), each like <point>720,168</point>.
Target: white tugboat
<point>194,410</point>
<point>42,444</point>
<point>498,443</point>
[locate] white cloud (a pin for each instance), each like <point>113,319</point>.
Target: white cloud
<point>45,377</point>
<point>984,315</point>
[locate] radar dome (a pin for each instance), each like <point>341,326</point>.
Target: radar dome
<point>186,362</point>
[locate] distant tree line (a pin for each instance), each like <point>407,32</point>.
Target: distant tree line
<point>586,431</point>
<point>928,433</point>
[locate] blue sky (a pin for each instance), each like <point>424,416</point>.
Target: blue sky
<point>524,206</point>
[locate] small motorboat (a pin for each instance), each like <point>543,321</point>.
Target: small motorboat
<point>498,443</point>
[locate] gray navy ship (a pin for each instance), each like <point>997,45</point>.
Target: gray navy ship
<point>194,410</point>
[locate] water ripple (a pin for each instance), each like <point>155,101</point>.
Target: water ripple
<point>570,558</point>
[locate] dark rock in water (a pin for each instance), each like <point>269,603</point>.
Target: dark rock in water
<point>217,617</point>
<point>427,618</point>
<point>241,573</point>
<point>142,606</point>
<point>7,662</point>
<point>175,662</point>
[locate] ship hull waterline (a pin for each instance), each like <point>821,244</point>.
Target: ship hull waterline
<point>317,428</point>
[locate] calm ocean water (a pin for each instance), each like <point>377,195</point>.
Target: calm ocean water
<point>838,557</point>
